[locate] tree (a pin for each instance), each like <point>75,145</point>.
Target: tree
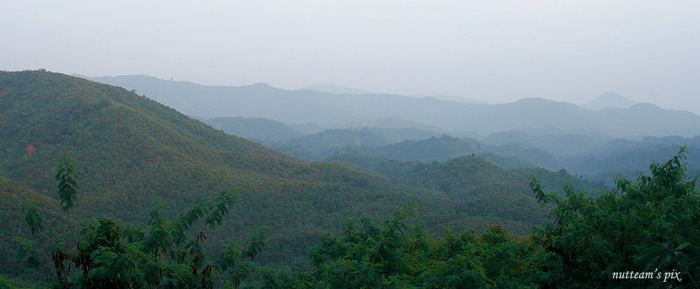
<point>400,255</point>
<point>648,227</point>
<point>166,252</point>
<point>67,183</point>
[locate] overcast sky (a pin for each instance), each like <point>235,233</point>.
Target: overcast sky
<point>495,51</point>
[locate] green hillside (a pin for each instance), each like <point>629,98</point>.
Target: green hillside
<point>324,143</point>
<point>131,152</point>
<point>133,149</point>
<point>471,175</point>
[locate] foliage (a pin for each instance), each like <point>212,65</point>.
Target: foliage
<point>399,254</point>
<point>6,284</point>
<point>67,183</point>
<point>32,215</point>
<point>485,189</point>
<point>645,226</point>
<point>464,177</point>
<point>160,254</point>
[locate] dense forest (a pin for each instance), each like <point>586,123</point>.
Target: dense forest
<point>103,188</point>
<point>641,234</point>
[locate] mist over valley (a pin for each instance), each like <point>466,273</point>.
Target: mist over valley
<point>325,123</point>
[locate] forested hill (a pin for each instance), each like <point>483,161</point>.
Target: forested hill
<point>131,153</point>
<point>128,147</point>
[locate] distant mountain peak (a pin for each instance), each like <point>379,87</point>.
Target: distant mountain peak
<point>262,84</point>
<point>610,99</point>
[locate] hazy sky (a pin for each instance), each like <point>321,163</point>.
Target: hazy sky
<point>495,51</point>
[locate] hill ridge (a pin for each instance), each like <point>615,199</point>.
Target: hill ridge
<point>335,110</point>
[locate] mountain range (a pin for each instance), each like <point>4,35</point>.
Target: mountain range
<point>327,110</point>
<point>132,153</point>
<point>334,89</point>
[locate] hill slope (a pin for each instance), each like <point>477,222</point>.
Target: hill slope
<point>131,152</point>
<point>13,226</point>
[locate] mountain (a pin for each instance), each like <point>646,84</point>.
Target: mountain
<point>557,145</point>
<point>334,89</point>
<point>259,129</point>
<point>431,149</point>
<point>292,107</point>
<point>450,98</point>
<point>468,176</point>
<point>444,148</point>
<point>533,116</point>
<point>596,159</point>
<point>609,100</point>
<point>317,146</point>
<point>132,153</point>
<point>320,146</point>
<point>629,158</point>
<point>395,123</point>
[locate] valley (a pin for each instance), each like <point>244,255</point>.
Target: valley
<point>298,177</point>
